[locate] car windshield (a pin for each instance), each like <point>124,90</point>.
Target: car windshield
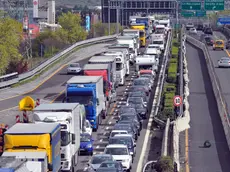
<point>85,138</point>
<point>219,43</point>
<point>127,117</point>
<point>189,24</point>
<point>107,169</point>
<point>100,159</point>
<point>159,30</point>
<point>116,151</point>
<point>74,65</point>
<point>135,100</point>
<point>125,110</point>
<point>136,88</point>
<point>139,106</point>
<point>157,42</point>
<point>121,140</point>
<point>123,127</point>
<point>109,164</point>
<point>139,82</point>
<point>225,61</point>
<point>114,133</point>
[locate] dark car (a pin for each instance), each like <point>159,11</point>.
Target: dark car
<point>140,109</point>
<point>134,100</point>
<point>140,94</point>
<point>112,165</point>
<point>150,76</point>
<point>145,82</point>
<point>228,44</point>
<point>131,117</point>
<point>208,31</point>
<point>133,123</point>
<point>200,27</point>
<point>208,40</point>
<point>128,127</point>
<point>138,88</point>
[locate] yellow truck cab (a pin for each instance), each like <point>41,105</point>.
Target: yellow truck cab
<point>141,28</point>
<point>218,44</point>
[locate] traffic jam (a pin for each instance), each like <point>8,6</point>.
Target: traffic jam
<point>98,125</point>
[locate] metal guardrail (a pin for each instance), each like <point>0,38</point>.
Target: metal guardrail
<point>221,103</point>
<point>164,150</point>
<point>53,59</point>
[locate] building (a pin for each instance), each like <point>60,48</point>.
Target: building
<point>128,8</point>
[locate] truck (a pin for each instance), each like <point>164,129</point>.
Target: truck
<point>88,90</point>
<point>131,40</point>
<point>11,164</point>
<point>36,137</point>
<point>159,42</point>
<point>146,22</point>
<point>128,51</point>
<point>105,71</point>
<point>33,161</point>
<point>121,67</point>
<point>146,63</point>
<point>141,28</point>
<point>71,117</point>
<point>133,32</point>
<point>111,61</point>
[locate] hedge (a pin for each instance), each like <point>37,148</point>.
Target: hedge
<point>170,88</point>
<point>172,77</point>
<point>174,60</point>
<point>172,68</point>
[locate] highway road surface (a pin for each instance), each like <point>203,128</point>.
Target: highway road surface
<point>205,121</point>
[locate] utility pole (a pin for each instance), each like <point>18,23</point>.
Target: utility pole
<point>118,18</point>
<point>109,17</point>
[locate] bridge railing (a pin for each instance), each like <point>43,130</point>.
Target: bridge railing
<point>13,78</point>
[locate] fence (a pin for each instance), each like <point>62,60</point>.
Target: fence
<point>6,81</point>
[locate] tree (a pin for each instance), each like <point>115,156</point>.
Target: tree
<point>10,39</point>
<point>164,164</point>
<point>71,26</point>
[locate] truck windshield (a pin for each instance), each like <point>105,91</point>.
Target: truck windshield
<point>119,66</point>
<point>65,138</point>
<point>145,67</point>
<point>159,30</point>
<point>80,99</point>
<point>142,33</point>
<point>157,42</point>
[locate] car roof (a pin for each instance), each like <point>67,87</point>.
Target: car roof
<point>225,58</point>
<point>100,155</point>
<point>119,131</point>
<point>116,146</point>
<point>128,114</point>
<point>123,135</point>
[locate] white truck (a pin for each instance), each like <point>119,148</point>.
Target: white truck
<point>159,42</point>
<point>131,40</point>
<point>120,65</point>
<point>146,63</point>
<point>160,29</point>
<point>71,117</point>
<point>25,161</point>
<point>132,32</point>
<point>155,52</point>
<point>166,23</point>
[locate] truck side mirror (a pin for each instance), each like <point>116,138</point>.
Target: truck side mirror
<point>73,138</point>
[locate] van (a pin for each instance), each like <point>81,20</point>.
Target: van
<point>218,44</point>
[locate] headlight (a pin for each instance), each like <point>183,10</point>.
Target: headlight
<point>66,164</point>
<point>89,146</point>
<point>142,113</point>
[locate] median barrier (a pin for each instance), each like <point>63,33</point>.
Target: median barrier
<point>221,103</point>
<point>53,59</point>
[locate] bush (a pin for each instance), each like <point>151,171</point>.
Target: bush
<point>164,164</point>
<point>168,112</point>
<point>174,60</point>
<point>169,95</point>
<point>170,88</point>
<point>172,77</point>
<point>168,103</point>
<point>172,68</point>
<point>175,50</point>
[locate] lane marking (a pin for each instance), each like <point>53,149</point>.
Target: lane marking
<point>110,123</point>
<point>101,140</point>
<point>187,169</point>
<point>97,146</point>
<point>227,52</point>
<point>86,168</point>
<point>40,84</point>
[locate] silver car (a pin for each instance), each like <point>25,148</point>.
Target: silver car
<point>96,161</point>
<point>74,68</point>
<point>224,62</point>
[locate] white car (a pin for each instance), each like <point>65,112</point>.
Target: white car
<point>120,153</point>
<point>114,132</point>
<point>189,26</point>
<point>224,62</point>
<point>88,128</point>
<point>74,68</point>
<point>193,31</point>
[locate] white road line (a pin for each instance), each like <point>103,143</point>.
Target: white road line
<point>107,128</point>
<point>97,146</point>
<point>101,140</point>
<point>110,122</point>
<point>104,133</point>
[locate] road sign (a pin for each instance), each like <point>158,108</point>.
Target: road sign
<point>223,21</point>
<point>200,13</point>
<point>177,101</point>
<point>191,5</point>
<point>214,5</point>
<point>187,13</point>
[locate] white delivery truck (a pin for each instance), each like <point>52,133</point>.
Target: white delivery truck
<point>131,40</point>
<point>31,161</point>
<point>155,52</point>
<point>160,29</point>
<point>71,117</point>
<point>132,32</point>
<point>145,63</point>
<point>166,23</point>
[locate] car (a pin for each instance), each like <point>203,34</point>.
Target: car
<point>146,75</point>
<point>208,31</point>
<point>193,31</point>
<point>86,143</point>
<point>209,41</point>
<point>112,164</point>
<point>134,100</point>
<point>121,154</point>
<point>87,127</point>
<point>224,62</point>
<point>128,127</point>
<point>137,88</point>
<point>140,94</point>
<point>227,44</point>
<point>127,109</point>
<point>133,123</point>
<point>97,159</point>
<point>218,44</point>
<point>145,82</point>
<point>200,27</point>
<point>74,68</point>
<point>114,132</point>
<point>125,140</point>
<point>108,169</point>
<point>130,116</point>
<point>189,25</point>
<point>141,110</point>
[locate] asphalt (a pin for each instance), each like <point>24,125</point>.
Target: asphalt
<point>205,121</point>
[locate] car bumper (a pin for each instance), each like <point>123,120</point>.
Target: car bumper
<point>86,150</point>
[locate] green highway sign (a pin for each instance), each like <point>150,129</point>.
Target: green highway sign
<point>191,5</point>
<point>214,5</point>
<point>200,13</point>
<point>187,13</point>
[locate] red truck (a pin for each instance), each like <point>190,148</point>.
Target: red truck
<point>102,70</point>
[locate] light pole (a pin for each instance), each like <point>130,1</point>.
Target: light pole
<point>109,15</point>
<point>118,16</point>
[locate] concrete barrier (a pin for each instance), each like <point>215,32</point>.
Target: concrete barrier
<point>164,150</point>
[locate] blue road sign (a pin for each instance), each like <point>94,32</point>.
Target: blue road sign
<point>223,20</point>
<point>200,13</point>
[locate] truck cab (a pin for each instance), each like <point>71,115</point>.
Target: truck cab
<point>131,40</point>
<point>132,32</point>
<point>105,71</point>
<point>71,117</point>
<point>159,42</point>
<point>146,62</point>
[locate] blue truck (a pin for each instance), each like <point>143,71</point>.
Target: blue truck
<point>88,90</point>
<point>146,21</point>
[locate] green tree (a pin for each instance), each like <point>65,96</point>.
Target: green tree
<point>164,164</point>
<point>71,26</point>
<point>10,39</point>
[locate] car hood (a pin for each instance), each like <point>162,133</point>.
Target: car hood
<point>74,68</point>
<point>120,157</point>
<point>95,166</point>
